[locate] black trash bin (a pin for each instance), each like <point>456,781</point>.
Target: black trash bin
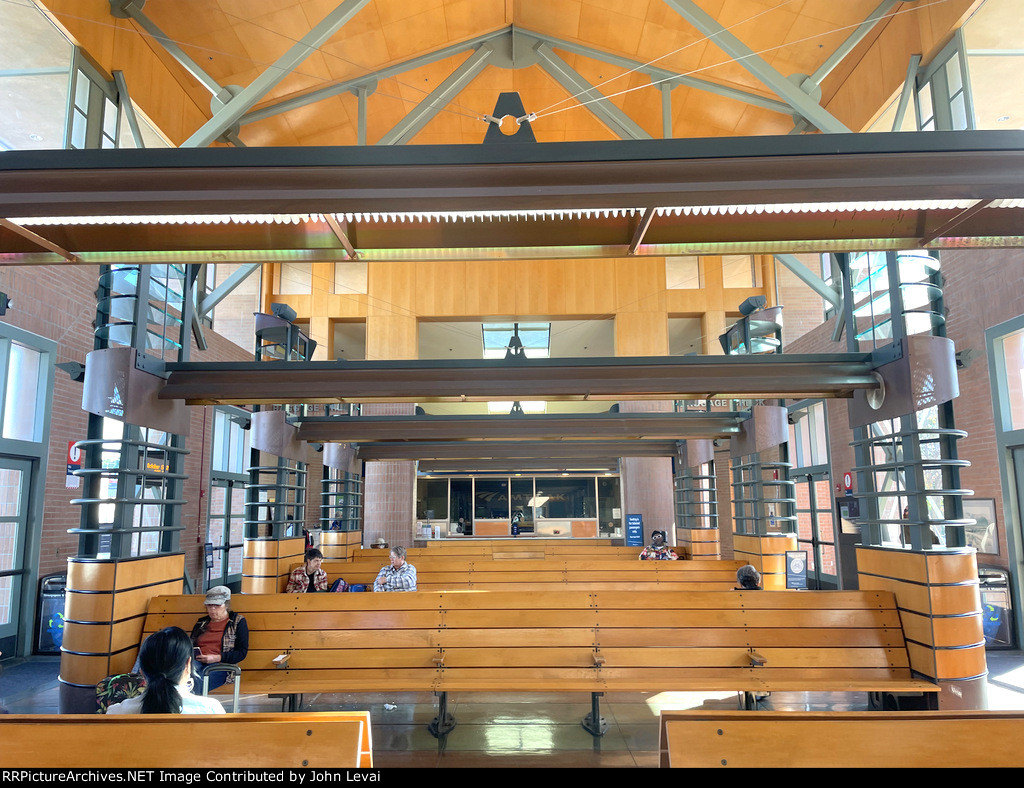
<point>51,614</point>
<point>996,608</point>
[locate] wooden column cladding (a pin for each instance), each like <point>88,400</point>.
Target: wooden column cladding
<point>940,606</point>
<point>105,610</point>
<point>767,554</point>
<point>698,544</point>
<point>267,563</point>
<point>340,544</point>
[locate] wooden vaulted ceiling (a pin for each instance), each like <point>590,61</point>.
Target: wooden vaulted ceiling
<point>234,41</point>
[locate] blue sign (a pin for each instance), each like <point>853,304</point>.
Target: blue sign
<point>796,569</point>
<point>634,530</point>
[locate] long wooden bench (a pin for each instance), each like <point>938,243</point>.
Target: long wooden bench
<point>482,574</point>
<point>334,739</point>
<point>602,641</point>
<point>905,739</point>
<point>507,550</point>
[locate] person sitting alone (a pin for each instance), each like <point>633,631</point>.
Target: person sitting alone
<point>657,550</point>
<point>400,575</point>
<point>748,579</point>
<point>166,662</point>
<point>222,635</point>
<point>309,577</point>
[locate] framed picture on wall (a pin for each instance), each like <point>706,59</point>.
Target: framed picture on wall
<point>983,534</point>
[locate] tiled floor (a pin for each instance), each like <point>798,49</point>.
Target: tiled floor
<point>511,730</point>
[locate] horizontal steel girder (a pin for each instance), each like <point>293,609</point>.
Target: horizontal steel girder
<point>609,465</point>
<point>618,426</point>
<point>571,379</point>
<point>979,165</point>
<point>550,451</point>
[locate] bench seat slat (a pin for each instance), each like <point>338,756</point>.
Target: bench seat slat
<point>905,739</point>
<point>322,740</point>
<point>741,636</point>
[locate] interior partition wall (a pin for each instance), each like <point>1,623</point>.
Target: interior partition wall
<point>569,505</point>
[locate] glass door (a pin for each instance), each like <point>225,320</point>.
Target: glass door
<point>15,477</point>
<point>816,528</point>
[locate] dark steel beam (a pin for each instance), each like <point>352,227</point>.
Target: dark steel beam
<point>616,426</point>
<point>574,379</point>
<point>551,451</point>
<point>625,174</point>
<point>542,465</point>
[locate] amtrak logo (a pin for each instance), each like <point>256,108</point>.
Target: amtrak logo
<point>115,405</point>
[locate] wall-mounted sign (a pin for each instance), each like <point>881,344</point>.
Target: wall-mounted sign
<point>796,569</point>
<point>74,459</point>
<point>634,530</point>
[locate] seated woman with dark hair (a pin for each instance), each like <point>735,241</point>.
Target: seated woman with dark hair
<point>166,661</point>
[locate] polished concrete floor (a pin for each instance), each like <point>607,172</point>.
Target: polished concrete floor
<point>511,730</point>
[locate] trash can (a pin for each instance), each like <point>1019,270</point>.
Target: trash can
<point>51,614</point>
<point>996,608</point>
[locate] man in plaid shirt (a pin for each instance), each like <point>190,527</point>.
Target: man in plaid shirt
<point>399,576</point>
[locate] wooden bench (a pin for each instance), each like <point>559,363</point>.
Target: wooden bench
<point>556,641</point>
<point>482,574</point>
<point>507,550</point>
<point>905,739</point>
<point>334,739</point>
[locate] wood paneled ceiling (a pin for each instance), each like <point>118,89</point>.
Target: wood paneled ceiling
<point>236,41</point>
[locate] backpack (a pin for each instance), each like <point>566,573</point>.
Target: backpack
<point>116,688</point>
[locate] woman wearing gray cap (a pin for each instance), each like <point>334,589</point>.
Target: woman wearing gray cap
<point>221,635</point>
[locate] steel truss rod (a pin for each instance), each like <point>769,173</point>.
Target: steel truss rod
<point>238,105</point>
<point>611,116</point>
<point>438,98</point>
<point>758,66</point>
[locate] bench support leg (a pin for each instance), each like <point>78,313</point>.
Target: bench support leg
<point>594,723</point>
<point>443,722</point>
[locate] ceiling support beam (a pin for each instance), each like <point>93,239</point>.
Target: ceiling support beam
<point>666,111</point>
<point>439,98</point>
<point>961,217</point>
<point>483,429</point>
<point>218,294</point>
<point>659,76</point>
<point>38,240</point>
<point>641,230</point>
<point>340,229</point>
<point>852,40</point>
<point>554,450</point>
<point>132,9</point>
<point>794,376</point>
<point>576,86</point>
<point>313,96</point>
<point>809,278</point>
<point>909,85</point>
<point>221,95</point>
<point>238,105</point>
<point>792,94</point>
<point>124,101</point>
<point>812,84</point>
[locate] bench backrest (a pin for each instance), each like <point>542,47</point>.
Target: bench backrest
<point>582,574</point>
<point>316,740</point>
<point>645,640</point>
<point>904,739</point>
